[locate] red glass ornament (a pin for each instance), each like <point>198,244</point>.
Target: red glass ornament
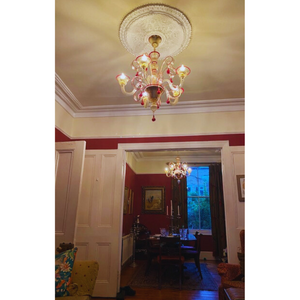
<point>153,119</point>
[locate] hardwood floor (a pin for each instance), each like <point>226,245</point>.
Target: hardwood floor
<point>168,294</point>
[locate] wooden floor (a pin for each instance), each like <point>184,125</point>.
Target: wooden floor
<point>167,294</point>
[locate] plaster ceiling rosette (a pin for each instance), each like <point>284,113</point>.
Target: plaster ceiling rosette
<point>167,22</point>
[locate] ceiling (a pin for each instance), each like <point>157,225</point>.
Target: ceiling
<point>89,55</point>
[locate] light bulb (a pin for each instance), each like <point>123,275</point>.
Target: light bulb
<point>182,68</point>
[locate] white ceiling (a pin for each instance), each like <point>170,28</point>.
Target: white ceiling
<point>89,55</point>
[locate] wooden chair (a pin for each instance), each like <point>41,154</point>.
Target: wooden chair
<point>194,253</point>
<point>152,252</point>
<point>170,254</point>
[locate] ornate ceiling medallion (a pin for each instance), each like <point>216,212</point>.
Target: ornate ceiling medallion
<point>167,22</point>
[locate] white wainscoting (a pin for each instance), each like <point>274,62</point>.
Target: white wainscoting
<point>127,249</point>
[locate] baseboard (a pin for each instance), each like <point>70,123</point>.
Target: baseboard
<point>207,255</point>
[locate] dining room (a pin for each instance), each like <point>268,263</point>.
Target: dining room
<point>156,208</point>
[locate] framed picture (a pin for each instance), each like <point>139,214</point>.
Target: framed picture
<point>125,206</point>
<point>131,202</point>
<point>241,187</point>
<point>153,201</point>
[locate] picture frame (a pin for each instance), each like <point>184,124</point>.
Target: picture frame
<point>131,202</point>
<point>125,205</point>
<point>153,200</point>
<point>241,187</point>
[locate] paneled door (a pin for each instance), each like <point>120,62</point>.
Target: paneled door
<point>69,159</point>
<point>100,217</point>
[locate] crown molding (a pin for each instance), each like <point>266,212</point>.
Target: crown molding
<point>197,158</point>
<point>67,100</point>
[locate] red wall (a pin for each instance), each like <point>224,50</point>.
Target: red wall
<point>135,182</point>
<point>153,221</point>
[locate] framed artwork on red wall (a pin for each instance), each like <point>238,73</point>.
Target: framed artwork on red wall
<point>131,198</point>
<point>241,187</point>
<point>125,205</point>
<point>153,201</point>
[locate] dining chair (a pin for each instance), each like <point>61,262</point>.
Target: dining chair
<point>170,254</point>
<point>194,252</point>
<point>152,252</point>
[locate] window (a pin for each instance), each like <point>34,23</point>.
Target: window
<point>198,202</point>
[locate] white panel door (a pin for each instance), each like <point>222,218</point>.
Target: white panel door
<point>100,217</point>
<point>69,159</point>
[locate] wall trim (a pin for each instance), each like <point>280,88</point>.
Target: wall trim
<point>153,135</point>
<point>172,145</point>
<point>71,104</point>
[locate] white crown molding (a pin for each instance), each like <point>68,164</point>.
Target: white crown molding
<point>197,158</point>
<point>67,100</point>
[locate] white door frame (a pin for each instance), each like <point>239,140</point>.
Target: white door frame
<point>231,219</point>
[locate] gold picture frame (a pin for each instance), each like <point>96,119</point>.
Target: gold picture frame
<point>125,205</point>
<point>131,198</point>
<point>241,187</point>
<point>153,201</point>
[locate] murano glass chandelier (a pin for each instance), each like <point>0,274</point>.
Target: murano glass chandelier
<point>151,82</point>
<point>177,170</point>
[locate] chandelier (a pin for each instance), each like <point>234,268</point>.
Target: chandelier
<point>149,82</point>
<point>177,170</point>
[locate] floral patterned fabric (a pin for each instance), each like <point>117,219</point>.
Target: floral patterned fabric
<point>63,269</point>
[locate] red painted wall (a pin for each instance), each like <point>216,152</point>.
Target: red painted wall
<point>153,221</point>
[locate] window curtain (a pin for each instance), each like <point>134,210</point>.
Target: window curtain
<point>217,210</point>
<point>179,198</point>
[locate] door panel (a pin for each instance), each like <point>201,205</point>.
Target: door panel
<point>69,159</point>
<point>100,217</point>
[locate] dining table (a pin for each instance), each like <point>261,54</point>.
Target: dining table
<point>189,237</point>
<point>153,245</point>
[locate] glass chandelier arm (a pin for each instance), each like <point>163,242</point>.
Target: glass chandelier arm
<point>127,93</point>
<point>175,101</point>
<point>168,61</point>
<point>170,84</point>
<point>172,100</point>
